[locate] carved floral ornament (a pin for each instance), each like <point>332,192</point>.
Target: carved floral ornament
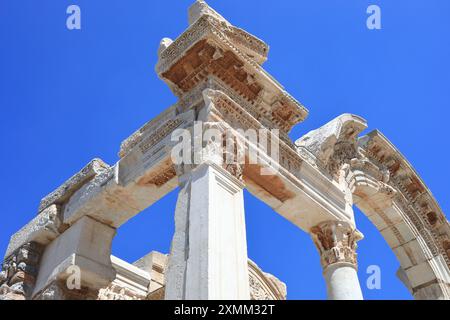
<point>334,144</point>
<point>410,192</point>
<point>336,242</point>
<point>19,272</point>
<point>215,68</point>
<point>224,148</point>
<point>211,48</point>
<point>115,292</point>
<point>263,286</point>
<point>373,163</point>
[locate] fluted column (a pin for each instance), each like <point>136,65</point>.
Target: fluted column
<point>336,242</point>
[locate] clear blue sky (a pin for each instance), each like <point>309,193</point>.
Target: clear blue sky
<point>69,96</point>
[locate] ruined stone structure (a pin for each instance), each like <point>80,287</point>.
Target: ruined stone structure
<point>215,69</point>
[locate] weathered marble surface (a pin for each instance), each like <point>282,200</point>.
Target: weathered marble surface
<point>148,283</point>
<point>61,194</point>
<point>210,237</point>
<point>19,272</point>
<point>44,228</point>
<point>86,245</point>
<point>387,188</point>
<point>216,71</point>
<point>336,242</point>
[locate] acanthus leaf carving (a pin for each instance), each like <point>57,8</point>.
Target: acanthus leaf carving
<point>19,272</point>
<point>336,242</point>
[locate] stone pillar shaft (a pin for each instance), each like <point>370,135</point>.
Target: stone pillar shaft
<point>336,242</point>
<point>208,258</point>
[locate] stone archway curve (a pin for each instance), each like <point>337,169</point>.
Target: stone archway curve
<point>393,196</point>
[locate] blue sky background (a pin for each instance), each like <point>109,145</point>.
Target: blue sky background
<point>69,96</point>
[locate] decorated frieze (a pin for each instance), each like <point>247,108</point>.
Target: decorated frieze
<point>19,272</point>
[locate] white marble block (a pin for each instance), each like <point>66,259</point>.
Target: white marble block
<point>209,250</point>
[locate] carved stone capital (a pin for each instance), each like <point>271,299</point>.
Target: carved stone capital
<point>336,242</point>
<point>334,144</point>
<point>19,272</point>
<point>214,144</point>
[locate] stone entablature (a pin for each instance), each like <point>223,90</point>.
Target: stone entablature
<point>210,48</point>
<point>265,286</point>
<point>387,189</point>
<point>65,191</point>
<point>253,47</point>
<point>215,70</point>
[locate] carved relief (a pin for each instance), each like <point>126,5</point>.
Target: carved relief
<point>65,191</point>
<point>257,291</point>
<point>224,149</point>
<point>160,178</point>
<point>115,292</point>
<point>264,286</point>
<point>216,65</point>
<point>166,129</point>
<point>206,58</point>
<point>155,127</point>
<point>226,110</point>
<point>284,113</point>
<point>212,48</point>
<point>19,272</point>
<point>334,144</point>
<point>57,290</point>
<point>446,246</point>
<point>336,242</point>
<point>412,196</point>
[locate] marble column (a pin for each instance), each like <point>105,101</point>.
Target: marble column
<point>336,242</point>
<point>208,259</point>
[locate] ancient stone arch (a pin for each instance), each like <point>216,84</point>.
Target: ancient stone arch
<point>406,213</point>
<point>215,69</point>
<point>388,190</point>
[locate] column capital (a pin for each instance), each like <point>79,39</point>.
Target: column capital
<point>336,242</point>
<point>19,272</point>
